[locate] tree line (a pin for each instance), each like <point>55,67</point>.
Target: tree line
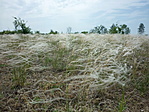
<point>21,28</point>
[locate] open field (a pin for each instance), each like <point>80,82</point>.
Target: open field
<point>74,73</point>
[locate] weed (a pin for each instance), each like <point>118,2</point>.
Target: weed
<point>142,84</point>
<point>19,77</point>
<point>47,61</point>
<point>3,65</point>
<point>122,103</point>
<point>1,95</point>
<point>59,61</point>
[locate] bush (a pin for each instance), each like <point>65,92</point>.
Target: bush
<point>20,26</point>
<point>53,32</point>
<point>7,32</point>
<point>84,32</point>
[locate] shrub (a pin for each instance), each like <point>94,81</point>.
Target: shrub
<point>20,26</point>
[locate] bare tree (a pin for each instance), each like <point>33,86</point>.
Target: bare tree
<point>69,30</point>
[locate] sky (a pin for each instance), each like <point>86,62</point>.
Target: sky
<point>80,15</point>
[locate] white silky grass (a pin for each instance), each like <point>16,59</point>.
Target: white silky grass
<point>92,60</point>
<point>97,54</point>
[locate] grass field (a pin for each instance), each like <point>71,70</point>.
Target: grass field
<point>74,73</point>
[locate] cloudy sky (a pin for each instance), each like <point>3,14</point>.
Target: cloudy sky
<point>44,15</point>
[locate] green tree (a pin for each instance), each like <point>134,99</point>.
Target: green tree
<point>99,29</point>
<point>114,29</point>
<point>121,29</point>
<point>105,31</point>
<point>127,31</point>
<point>124,29</point>
<point>141,28</point>
<point>20,26</point>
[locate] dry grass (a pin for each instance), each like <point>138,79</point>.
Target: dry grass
<point>74,73</point>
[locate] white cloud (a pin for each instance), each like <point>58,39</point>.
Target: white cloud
<point>70,12</point>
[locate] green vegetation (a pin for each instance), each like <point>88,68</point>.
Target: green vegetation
<point>7,32</point>
<point>122,29</point>
<point>53,32</point>
<point>122,103</point>
<point>84,32</point>
<point>99,29</point>
<point>37,32</point>
<point>21,28</point>
<point>18,77</point>
<point>141,28</point>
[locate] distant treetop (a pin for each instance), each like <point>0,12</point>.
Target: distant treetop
<point>141,28</point>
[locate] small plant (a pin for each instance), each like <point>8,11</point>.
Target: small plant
<point>3,65</point>
<point>143,84</point>
<point>1,95</point>
<point>47,61</point>
<point>58,59</point>
<point>122,103</point>
<point>19,77</point>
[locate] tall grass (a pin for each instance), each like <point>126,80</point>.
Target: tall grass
<point>76,72</point>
